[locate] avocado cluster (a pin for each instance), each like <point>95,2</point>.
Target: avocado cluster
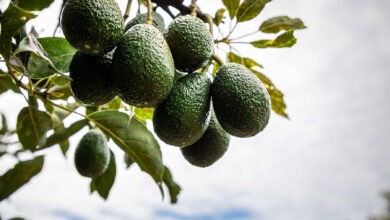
<point>150,66</point>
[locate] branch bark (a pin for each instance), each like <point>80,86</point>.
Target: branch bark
<point>178,4</point>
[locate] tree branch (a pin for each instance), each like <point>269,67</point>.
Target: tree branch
<point>178,4</point>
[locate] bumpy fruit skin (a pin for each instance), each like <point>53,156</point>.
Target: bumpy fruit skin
<point>182,118</point>
<point>142,67</point>
<point>210,147</point>
<point>158,21</point>
<point>92,26</point>
<point>91,83</point>
<point>92,155</point>
<point>190,42</point>
<point>240,100</point>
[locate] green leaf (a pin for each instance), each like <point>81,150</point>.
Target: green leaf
<point>16,177</point>
<point>134,138</point>
<point>60,53</point>
<point>6,83</point>
<point>277,97</point>
<point>276,24</point>
<point>249,9</point>
<point>61,135</point>
<point>231,6</point>
<point>4,124</point>
<point>219,16</point>
<point>32,126</point>
<point>11,20</point>
<point>34,5</point>
<point>103,183</point>
<point>173,187</point>
<point>115,104</point>
<point>64,144</point>
<point>128,160</point>
<point>143,114</point>
<point>286,39</point>
<point>59,92</point>
<point>246,61</point>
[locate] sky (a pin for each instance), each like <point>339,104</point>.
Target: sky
<point>330,161</point>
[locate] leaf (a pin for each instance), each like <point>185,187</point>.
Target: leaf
<point>143,114</point>
<point>134,138</point>
<point>32,126</point>
<point>59,92</point>
<point>64,144</point>
<point>61,135</point>
<point>277,97</point>
<point>128,160</point>
<point>286,39</point>
<point>246,61</point>
<point>6,83</point>
<point>231,6</point>
<point>103,183</point>
<point>219,16</point>
<point>16,177</point>
<point>60,53</point>
<point>11,20</point>
<point>34,5</point>
<point>115,104</point>
<point>249,9</point>
<point>173,188</point>
<point>4,124</point>
<point>276,24</point>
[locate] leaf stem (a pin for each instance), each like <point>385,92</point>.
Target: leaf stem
<point>245,35</point>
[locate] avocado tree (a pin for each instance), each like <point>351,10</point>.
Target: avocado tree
<point>117,71</point>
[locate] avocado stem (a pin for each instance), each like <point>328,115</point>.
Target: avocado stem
<point>217,59</point>
<point>149,20</point>
<point>193,8</point>
<point>127,12</point>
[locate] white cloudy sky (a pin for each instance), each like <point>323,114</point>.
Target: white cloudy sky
<point>330,161</point>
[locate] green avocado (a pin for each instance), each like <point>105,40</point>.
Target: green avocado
<point>241,102</point>
<point>190,41</point>
<point>92,26</point>
<point>210,147</point>
<point>92,155</point>
<point>142,67</point>
<point>91,83</point>
<point>182,118</point>
<point>158,21</point>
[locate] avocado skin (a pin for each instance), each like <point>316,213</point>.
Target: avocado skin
<point>241,102</point>
<point>158,21</point>
<point>92,26</point>
<point>92,155</point>
<point>91,83</point>
<point>182,118</point>
<point>190,41</point>
<point>143,68</point>
<point>210,147</point>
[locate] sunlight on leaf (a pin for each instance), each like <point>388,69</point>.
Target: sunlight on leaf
<point>286,39</point>
<point>249,9</point>
<point>276,24</point>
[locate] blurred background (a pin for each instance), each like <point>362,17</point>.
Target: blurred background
<point>330,161</point>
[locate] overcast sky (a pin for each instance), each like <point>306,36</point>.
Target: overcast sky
<point>330,161</point>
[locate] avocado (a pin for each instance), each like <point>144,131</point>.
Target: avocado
<point>190,41</point>
<point>92,26</point>
<point>90,82</point>
<point>210,147</point>
<point>182,118</point>
<point>158,21</point>
<point>142,67</point>
<point>92,155</point>
<point>241,102</point>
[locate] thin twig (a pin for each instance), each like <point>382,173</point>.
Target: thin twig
<point>127,12</point>
<point>150,10</point>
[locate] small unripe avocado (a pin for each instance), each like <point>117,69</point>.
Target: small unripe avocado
<point>92,26</point>
<point>142,67</point>
<point>241,102</point>
<point>182,118</point>
<point>92,155</point>
<point>158,21</point>
<point>210,147</point>
<point>91,83</point>
<point>190,41</point>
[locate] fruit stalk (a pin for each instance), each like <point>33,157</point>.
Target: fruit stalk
<point>150,10</point>
<point>193,8</point>
<point>127,12</point>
